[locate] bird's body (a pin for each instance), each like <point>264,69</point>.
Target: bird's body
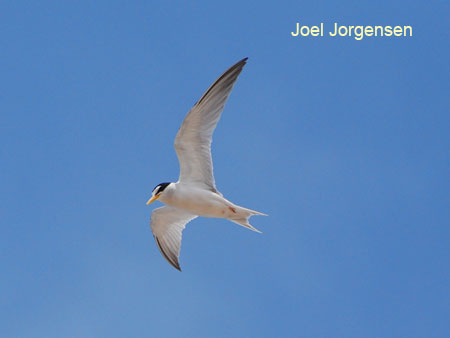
<point>201,202</point>
<point>196,200</point>
<point>195,193</point>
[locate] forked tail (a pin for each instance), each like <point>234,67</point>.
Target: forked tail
<point>242,216</point>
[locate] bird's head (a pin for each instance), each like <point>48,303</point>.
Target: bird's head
<point>157,191</point>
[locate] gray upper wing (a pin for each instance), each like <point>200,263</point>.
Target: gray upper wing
<point>193,140</point>
<point>167,223</point>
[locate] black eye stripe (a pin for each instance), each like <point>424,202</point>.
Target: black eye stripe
<point>160,187</point>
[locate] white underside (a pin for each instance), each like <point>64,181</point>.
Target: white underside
<point>198,201</point>
<point>201,202</point>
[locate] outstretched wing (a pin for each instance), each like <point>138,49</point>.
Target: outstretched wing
<point>167,223</point>
<point>193,140</point>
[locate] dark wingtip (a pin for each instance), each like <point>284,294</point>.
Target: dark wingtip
<point>172,261</point>
<point>176,265</point>
<point>234,70</point>
<point>239,64</point>
<point>244,61</point>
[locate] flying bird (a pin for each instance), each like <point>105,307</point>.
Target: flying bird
<point>195,194</point>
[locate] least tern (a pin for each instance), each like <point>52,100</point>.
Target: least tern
<point>195,194</point>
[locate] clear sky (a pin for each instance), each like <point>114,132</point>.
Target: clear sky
<point>344,143</point>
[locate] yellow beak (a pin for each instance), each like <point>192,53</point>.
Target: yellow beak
<point>153,199</point>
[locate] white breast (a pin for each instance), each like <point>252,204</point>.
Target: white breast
<point>196,200</point>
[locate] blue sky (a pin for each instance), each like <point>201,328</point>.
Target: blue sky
<point>344,143</point>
